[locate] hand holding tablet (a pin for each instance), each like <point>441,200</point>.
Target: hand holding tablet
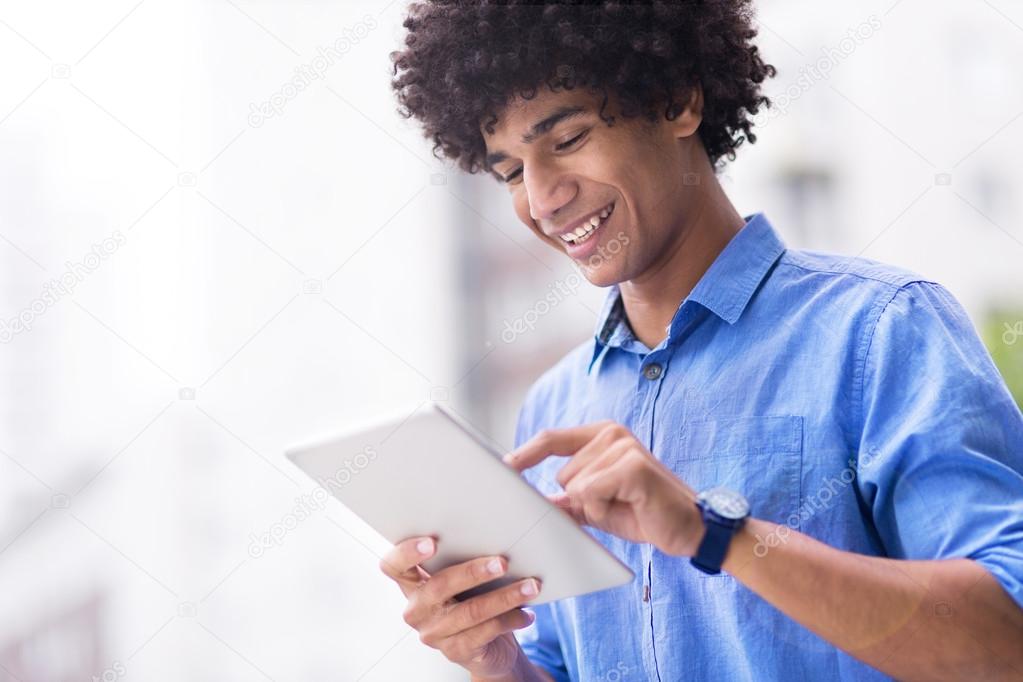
<point>473,541</point>
<point>429,475</point>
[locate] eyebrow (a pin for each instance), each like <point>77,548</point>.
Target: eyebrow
<point>539,128</point>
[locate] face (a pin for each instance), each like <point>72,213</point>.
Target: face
<point>614,199</point>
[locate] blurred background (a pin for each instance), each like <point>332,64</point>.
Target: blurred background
<point>218,238</point>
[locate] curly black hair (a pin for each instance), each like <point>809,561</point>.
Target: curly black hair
<point>464,60</point>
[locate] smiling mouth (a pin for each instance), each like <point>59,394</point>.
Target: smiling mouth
<point>585,231</point>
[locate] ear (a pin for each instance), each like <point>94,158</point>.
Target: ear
<point>687,123</point>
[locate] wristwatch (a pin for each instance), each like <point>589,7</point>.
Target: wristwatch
<point>724,511</point>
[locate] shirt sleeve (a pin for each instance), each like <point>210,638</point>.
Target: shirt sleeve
<point>940,463</point>
<point>540,640</point>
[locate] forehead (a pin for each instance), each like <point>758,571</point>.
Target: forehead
<point>521,114</point>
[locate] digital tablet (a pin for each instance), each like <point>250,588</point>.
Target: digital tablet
<point>429,473</point>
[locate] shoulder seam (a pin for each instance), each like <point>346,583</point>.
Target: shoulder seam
<point>867,344</point>
<point>897,281</point>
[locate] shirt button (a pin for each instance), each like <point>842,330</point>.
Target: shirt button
<point>652,371</point>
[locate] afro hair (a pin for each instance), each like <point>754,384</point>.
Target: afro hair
<point>464,60</point>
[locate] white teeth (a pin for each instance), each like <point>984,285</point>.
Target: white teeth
<point>582,233</point>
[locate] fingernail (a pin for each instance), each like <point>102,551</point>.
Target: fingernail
<point>530,617</point>
<point>529,588</point>
<point>494,567</point>
<point>425,546</point>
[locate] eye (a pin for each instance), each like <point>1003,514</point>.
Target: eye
<point>511,176</point>
<point>568,143</point>
<point>559,147</point>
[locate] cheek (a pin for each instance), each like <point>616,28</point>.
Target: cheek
<point>521,205</point>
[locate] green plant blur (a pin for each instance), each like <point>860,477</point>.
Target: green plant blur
<point>1003,335</point>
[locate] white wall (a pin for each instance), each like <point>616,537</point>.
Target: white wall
<point>265,281</point>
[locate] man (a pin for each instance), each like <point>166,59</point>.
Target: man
<point>809,461</point>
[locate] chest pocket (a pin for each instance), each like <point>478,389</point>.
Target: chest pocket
<point>760,457</point>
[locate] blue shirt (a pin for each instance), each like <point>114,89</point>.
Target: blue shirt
<point>849,400</point>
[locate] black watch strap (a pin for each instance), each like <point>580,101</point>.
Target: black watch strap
<point>711,553</point>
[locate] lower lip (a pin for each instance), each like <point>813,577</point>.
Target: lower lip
<point>588,247</point>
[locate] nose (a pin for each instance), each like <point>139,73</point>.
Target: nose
<point>547,190</point>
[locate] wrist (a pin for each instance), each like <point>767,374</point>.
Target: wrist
<point>695,530</point>
<point>747,546</point>
<point>523,670</point>
<point>686,528</point>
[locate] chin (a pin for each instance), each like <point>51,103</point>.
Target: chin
<point>601,276</point>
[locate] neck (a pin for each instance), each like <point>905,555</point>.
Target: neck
<point>651,299</point>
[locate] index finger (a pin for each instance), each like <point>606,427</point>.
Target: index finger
<point>561,442</point>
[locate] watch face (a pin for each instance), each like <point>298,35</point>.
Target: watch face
<point>725,502</point>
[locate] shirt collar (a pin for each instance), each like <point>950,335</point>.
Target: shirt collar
<point>725,289</point>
